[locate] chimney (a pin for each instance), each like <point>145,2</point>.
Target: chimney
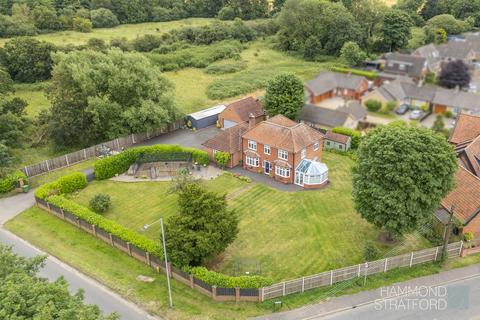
<point>251,121</point>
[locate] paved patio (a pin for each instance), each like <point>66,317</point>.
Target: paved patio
<point>266,180</point>
<point>205,173</point>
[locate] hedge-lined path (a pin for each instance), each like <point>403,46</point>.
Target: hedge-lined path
<point>94,292</point>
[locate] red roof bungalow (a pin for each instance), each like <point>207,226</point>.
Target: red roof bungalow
<point>241,111</point>
<point>287,151</point>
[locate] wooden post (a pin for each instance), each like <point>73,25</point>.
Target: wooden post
<point>111,239</point>
<point>303,284</point>
<point>129,249</point>
<point>436,254</point>
<point>331,277</point>
<point>283,292</point>
<point>214,293</point>
<point>260,294</point>
<point>26,171</point>
<point>461,248</point>
<point>411,259</point>
<point>48,167</point>
<point>237,294</point>
<point>63,214</point>
<point>133,138</point>
<point>85,154</point>
<point>192,283</point>
<point>358,272</point>
<point>169,266</point>
<point>94,230</point>
<point>66,159</point>
<point>385,265</point>
<point>148,257</point>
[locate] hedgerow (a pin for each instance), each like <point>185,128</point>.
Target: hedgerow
<point>64,185</point>
<point>117,164</point>
<point>367,74</point>
<point>8,182</point>
<point>225,281</point>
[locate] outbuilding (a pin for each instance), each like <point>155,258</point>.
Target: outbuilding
<point>337,141</point>
<point>204,118</point>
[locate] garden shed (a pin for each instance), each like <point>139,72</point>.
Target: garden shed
<point>204,118</point>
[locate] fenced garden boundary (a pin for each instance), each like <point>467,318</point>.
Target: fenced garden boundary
<point>93,151</point>
<point>284,288</point>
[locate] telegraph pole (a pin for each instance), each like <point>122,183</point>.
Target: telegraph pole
<point>448,231</point>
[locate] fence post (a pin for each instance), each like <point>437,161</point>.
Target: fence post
<point>461,248</point>
<point>169,267</point>
<point>303,284</point>
<point>66,159</point>
<point>192,283</point>
<point>436,254</point>
<point>78,222</point>
<point>331,277</point>
<point>411,258</point>
<point>133,138</point>
<point>283,292</point>
<point>129,249</point>
<point>385,265</point>
<point>48,167</point>
<point>85,154</point>
<point>260,294</point>
<point>359,268</point>
<point>237,294</point>
<point>148,258</point>
<point>26,171</point>
<point>94,229</point>
<point>63,214</point>
<point>214,292</point>
<point>111,239</point>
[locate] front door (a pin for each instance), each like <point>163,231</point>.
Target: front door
<point>266,166</point>
<point>299,178</point>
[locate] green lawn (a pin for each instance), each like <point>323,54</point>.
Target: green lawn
<point>282,234</point>
<point>54,175</point>
<point>119,271</point>
<point>128,31</point>
<point>35,97</point>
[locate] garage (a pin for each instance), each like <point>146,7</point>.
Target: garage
<point>204,118</point>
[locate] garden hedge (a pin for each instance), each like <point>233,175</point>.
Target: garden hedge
<point>117,164</point>
<point>223,281</point>
<point>367,74</point>
<point>8,182</point>
<point>64,185</point>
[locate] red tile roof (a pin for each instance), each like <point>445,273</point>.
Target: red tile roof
<point>283,133</point>
<point>472,151</point>
<point>240,111</point>
<point>466,129</point>
<point>465,198</point>
<point>228,140</point>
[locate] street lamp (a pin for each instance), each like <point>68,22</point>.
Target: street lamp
<point>167,270</point>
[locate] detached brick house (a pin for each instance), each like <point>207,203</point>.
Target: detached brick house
<point>329,84</point>
<point>287,151</point>
<point>241,111</point>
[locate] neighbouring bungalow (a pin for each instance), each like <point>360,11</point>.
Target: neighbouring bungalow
<point>337,141</point>
<point>229,141</point>
<point>288,151</point>
<point>464,201</point>
<point>437,55</point>
<point>347,116</point>
<point>204,118</point>
<point>456,101</point>
<point>329,84</point>
<point>405,65</point>
<point>241,111</point>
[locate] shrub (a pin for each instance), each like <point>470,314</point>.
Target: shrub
<point>103,18</point>
<point>100,202</point>
<point>226,13</point>
<point>354,134</point>
<point>222,158</point>
<point>82,25</point>
<point>391,105</point>
<point>370,253</point>
<point>225,68</point>
<point>448,114</point>
<point>66,184</point>
<point>468,236</point>
<point>221,280</point>
<point>373,105</point>
<point>367,74</point>
<point>9,181</point>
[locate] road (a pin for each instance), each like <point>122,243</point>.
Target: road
<point>458,300</point>
<point>94,292</point>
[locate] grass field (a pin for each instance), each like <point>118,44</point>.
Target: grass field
<point>323,218</point>
<point>128,31</point>
<point>35,97</point>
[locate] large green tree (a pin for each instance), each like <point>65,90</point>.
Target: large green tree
<point>396,30</point>
<point>401,175</point>
<point>27,59</point>
<point>24,295</point>
<point>98,96</point>
<point>284,95</point>
<point>330,23</point>
<point>203,228</point>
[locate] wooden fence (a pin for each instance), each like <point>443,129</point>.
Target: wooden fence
<point>360,270</point>
<point>218,294</point>
<point>92,152</point>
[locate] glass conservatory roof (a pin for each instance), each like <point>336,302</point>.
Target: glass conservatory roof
<point>312,168</point>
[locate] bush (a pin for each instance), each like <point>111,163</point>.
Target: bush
<point>391,106</point>
<point>64,185</point>
<point>82,25</point>
<point>370,253</point>
<point>100,202</point>
<point>448,114</point>
<point>9,181</point>
<point>367,74</point>
<point>373,105</point>
<point>468,236</point>
<point>222,158</point>
<point>103,18</point>
<point>354,134</point>
<point>225,68</point>
<point>224,281</point>
<point>226,13</point>
<point>108,167</point>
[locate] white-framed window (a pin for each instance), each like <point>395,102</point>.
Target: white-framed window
<point>282,171</point>
<point>303,153</point>
<point>266,149</point>
<point>282,154</point>
<point>401,66</point>
<point>253,162</point>
<point>252,145</point>
<point>315,147</point>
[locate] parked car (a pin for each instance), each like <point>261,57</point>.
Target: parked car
<point>402,109</point>
<point>416,115</point>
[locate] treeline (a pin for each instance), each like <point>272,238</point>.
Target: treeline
<point>30,17</point>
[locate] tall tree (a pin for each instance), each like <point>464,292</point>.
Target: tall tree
<point>369,14</point>
<point>454,74</point>
<point>401,175</point>
<point>203,228</point>
<point>98,96</point>
<point>284,95</point>
<point>396,30</point>
<point>352,53</point>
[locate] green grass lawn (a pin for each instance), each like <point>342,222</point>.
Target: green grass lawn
<point>128,31</point>
<point>35,97</point>
<point>119,271</point>
<point>283,235</point>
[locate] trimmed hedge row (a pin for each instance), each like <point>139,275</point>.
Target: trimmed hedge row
<point>367,74</point>
<point>109,226</point>
<point>117,164</point>
<point>8,182</point>
<point>224,281</point>
<point>64,185</point>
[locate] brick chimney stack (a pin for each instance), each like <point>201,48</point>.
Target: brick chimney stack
<point>251,121</point>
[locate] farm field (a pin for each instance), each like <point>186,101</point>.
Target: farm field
<point>270,222</point>
<point>128,31</point>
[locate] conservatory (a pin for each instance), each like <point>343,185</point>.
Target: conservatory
<point>311,174</point>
